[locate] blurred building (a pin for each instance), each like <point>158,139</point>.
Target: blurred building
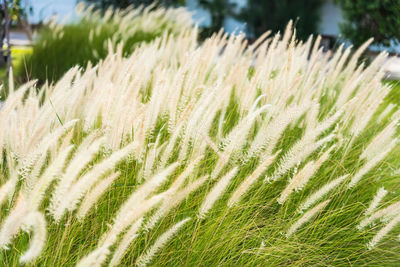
<point>331,16</point>
<point>202,17</point>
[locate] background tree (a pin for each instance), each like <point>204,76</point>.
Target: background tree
<point>261,15</point>
<point>12,13</point>
<point>374,18</point>
<point>104,4</point>
<point>219,10</point>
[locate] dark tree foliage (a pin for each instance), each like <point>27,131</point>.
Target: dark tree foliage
<point>104,4</point>
<point>373,18</point>
<point>219,10</point>
<point>262,15</point>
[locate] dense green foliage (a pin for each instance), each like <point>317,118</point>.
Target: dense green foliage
<point>375,18</point>
<point>261,16</point>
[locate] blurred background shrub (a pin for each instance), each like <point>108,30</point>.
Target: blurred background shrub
<point>374,18</point>
<point>60,47</point>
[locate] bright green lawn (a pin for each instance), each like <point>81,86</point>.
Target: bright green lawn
<point>18,55</point>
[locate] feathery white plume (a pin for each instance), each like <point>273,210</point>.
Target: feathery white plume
<point>36,223</point>
<point>148,255</point>
<point>84,184</point>
<point>13,222</point>
<point>129,236</point>
<point>94,194</point>
<point>306,217</point>
<point>88,148</point>
<point>52,171</point>
<point>144,191</point>
<point>297,153</point>
<point>384,213</point>
<point>371,163</point>
<point>172,200</point>
<point>95,258</point>
<point>321,193</point>
<point>302,177</point>
<point>384,231</point>
<point>375,202</point>
<point>216,193</point>
<point>250,180</point>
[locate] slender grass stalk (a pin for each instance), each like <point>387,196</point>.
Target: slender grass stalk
<point>306,217</point>
<point>146,258</point>
<point>320,193</point>
<point>216,193</point>
<point>384,231</point>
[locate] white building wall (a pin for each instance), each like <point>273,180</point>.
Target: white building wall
<point>331,17</point>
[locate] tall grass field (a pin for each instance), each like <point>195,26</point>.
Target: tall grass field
<point>84,40</point>
<point>212,154</point>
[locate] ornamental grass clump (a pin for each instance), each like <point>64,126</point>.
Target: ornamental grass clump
<point>188,154</point>
<point>84,38</point>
